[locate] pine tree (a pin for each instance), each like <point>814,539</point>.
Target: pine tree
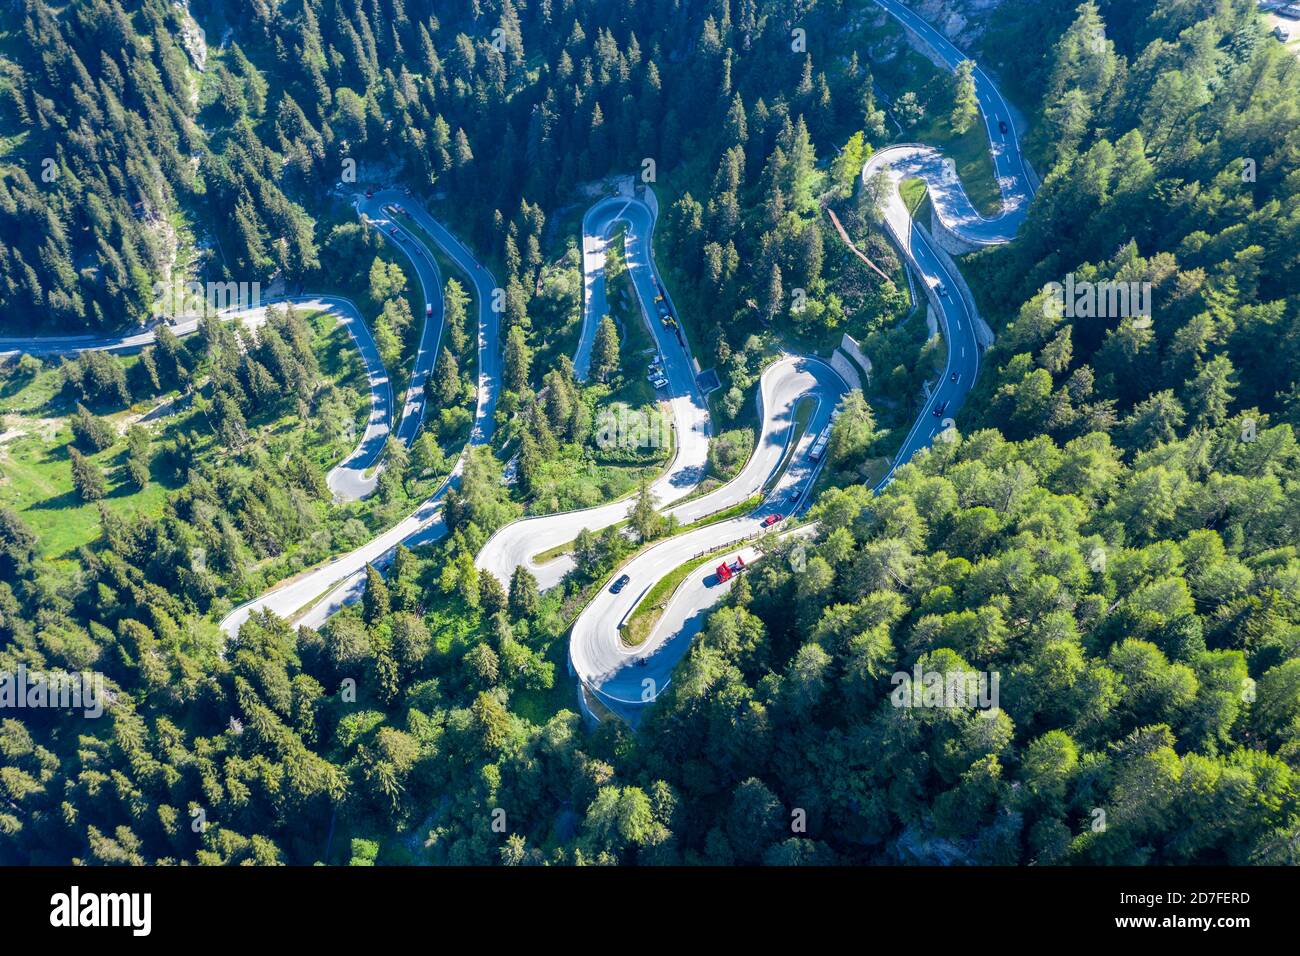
<point>965,105</point>
<point>138,458</point>
<point>605,350</point>
<point>91,433</point>
<point>87,479</point>
<point>774,304</point>
<point>561,399</point>
<point>518,360</point>
<point>532,464</point>
<point>737,127</point>
<point>456,302</point>
<point>847,166</point>
<point>491,596</point>
<point>645,520</point>
<point>396,458</point>
<point>446,383</point>
<point>375,602</point>
<point>426,456</point>
<point>524,597</point>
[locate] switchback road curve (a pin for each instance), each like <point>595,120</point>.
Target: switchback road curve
<point>349,479</point>
<point>323,590</point>
<point>517,543</point>
<point>357,475</point>
<point>954,209</point>
<point>626,679</point>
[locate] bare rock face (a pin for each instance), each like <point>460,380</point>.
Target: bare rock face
<point>960,20</point>
<point>192,39</point>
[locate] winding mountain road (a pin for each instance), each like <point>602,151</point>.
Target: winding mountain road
<point>517,543</point>
<point>352,478</point>
<point>626,679</point>
<point>313,596</point>
<point>357,475</point>
<point>416,403</point>
<point>958,214</point>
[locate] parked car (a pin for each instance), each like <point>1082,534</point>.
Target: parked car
<point>729,569</point>
<point>620,584</point>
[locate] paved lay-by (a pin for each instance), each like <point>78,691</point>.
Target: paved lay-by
<point>517,543</point>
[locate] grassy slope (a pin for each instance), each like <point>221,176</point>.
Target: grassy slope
<point>969,150</point>
<point>35,471</point>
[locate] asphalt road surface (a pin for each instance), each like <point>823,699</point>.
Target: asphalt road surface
<point>426,270</point>
<point>684,616</point>
<point>958,214</point>
<point>517,543</point>
<point>356,476</point>
<point>313,596</point>
<point>352,478</point>
<point>627,679</point>
<point>623,678</point>
<point>1008,159</point>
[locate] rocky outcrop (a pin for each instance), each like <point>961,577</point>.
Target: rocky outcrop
<point>192,39</point>
<point>961,21</point>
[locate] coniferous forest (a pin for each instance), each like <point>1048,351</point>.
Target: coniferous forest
<point>1111,526</point>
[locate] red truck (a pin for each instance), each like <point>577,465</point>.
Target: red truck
<point>728,571</point>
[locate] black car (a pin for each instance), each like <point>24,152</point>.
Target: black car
<point>940,409</point>
<point>619,585</point>
<point>1002,127</point>
<point>955,377</point>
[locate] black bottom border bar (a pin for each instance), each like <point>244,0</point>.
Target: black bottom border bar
<point>337,904</point>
